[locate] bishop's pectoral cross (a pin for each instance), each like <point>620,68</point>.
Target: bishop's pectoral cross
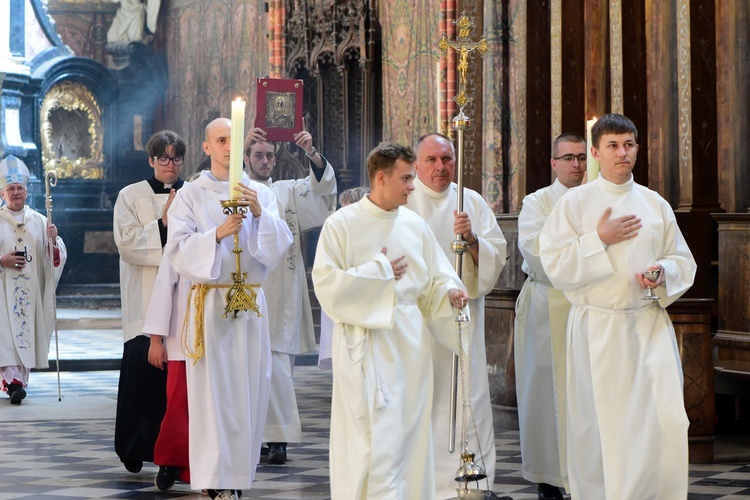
<point>463,45</point>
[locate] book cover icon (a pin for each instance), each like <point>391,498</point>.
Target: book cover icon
<point>279,108</point>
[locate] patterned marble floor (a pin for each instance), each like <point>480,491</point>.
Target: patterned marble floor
<point>66,451</point>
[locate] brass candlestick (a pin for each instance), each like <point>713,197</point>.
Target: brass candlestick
<point>241,296</point>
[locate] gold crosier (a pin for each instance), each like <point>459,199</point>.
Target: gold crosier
<point>468,470</point>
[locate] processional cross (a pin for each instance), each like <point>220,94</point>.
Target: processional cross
<point>463,45</point>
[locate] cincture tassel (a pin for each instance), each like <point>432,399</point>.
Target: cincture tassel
<point>198,349</point>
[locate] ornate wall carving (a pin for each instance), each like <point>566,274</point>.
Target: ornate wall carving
<point>330,45</point>
<point>82,25</point>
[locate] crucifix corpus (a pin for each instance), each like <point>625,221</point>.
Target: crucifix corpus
<point>463,45</point>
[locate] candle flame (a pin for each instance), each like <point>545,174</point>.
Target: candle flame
<point>238,99</point>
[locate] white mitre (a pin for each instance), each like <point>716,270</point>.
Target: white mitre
<point>13,170</point>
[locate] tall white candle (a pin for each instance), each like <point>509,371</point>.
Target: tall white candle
<point>592,165</point>
<point>235,147</point>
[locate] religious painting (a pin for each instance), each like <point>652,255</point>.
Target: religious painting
<point>279,105</point>
<point>72,136</point>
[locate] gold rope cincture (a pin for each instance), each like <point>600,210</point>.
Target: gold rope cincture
<point>235,301</point>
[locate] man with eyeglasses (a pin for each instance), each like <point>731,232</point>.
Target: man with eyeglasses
<point>539,332</point>
<point>28,277</point>
<point>304,204</point>
<point>140,232</point>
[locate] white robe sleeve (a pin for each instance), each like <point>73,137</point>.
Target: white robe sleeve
<point>139,244</point>
<point>269,237</point>
<point>314,200</point>
<point>530,223</point>
<point>362,296</point>
<point>159,312</point>
<point>434,303</point>
<point>184,243</point>
<point>677,260</point>
<point>570,259</point>
<point>481,279</point>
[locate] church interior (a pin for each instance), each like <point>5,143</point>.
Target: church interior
<point>81,93</point>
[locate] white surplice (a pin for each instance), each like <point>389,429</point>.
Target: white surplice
<point>137,236</point>
<point>228,387</point>
<point>166,310</point>
<point>304,204</point>
<point>540,369</point>
<point>626,420</point>
<point>437,209</point>
<point>380,347</point>
<point>27,318</point>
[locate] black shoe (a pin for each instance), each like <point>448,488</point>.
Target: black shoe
<point>134,467</point>
<point>276,453</point>
<point>548,492</point>
<point>166,476</point>
<point>17,393</point>
<point>263,451</point>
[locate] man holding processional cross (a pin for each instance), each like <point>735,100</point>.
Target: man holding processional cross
<point>436,198</point>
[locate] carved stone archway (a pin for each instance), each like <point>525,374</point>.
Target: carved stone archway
<point>332,46</point>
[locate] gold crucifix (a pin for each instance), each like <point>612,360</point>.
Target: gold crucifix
<point>463,45</point>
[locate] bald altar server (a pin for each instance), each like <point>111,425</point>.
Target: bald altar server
<point>539,333</point>
<point>304,204</point>
<point>379,274</point>
<point>140,233</point>
<point>28,281</point>
<point>626,420</point>
<point>435,199</point>
<point>229,369</point>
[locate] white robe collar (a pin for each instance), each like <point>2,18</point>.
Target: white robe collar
<point>375,210</point>
<point>207,180</point>
<point>559,188</point>
<point>422,187</point>
<point>616,188</point>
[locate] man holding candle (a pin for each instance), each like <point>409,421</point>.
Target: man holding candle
<point>228,369</point>
<point>304,204</point>
<point>626,421</point>
<point>539,332</point>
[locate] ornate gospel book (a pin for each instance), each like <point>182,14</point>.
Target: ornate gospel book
<point>279,108</point>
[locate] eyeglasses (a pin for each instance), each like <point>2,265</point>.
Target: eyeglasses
<point>177,161</point>
<point>569,158</point>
